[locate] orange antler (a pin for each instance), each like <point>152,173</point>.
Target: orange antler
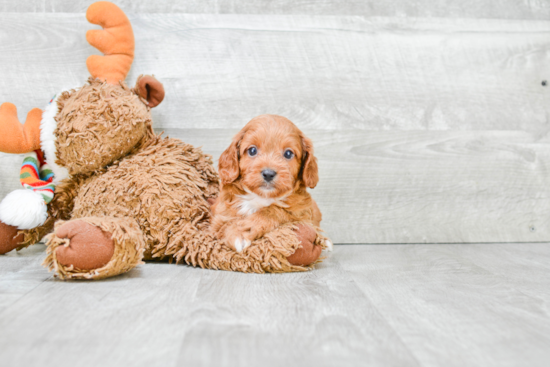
<point>16,137</point>
<point>115,41</point>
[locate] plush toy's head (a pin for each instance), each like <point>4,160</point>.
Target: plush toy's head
<point>87,128</point>
<point>102,121</point>
<point>98,124</point>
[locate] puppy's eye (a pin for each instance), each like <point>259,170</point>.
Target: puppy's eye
<point>252,151</point>
<point>288,154</point>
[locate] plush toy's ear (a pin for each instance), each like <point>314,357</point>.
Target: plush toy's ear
<point>150,89</point>
<point>310,171</point>
<point>228,165</point>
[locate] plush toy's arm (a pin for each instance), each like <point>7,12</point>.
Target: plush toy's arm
<point>66,192</point>
<point>17,138</point>
<point>12,238</point>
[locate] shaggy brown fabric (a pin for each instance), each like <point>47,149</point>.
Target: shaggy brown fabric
<point>152,194</point>
<point>128,252</point>
<point>133,194</point>
<point>164,189</point>
<point>98,124</point>
<point>89,247</point>
<point>266,255</point>
<point>9,238</point>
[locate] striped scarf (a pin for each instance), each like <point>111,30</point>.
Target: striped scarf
<point>36,175</point>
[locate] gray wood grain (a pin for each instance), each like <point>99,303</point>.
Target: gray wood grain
<point>424,186</point>
<point>427,130</point>
<point>461,305</point>
<point>162,314</point>
<point>416,186</point>
<point>376,305</point>
<point>322,72</point>
<point>488,9</point>
<point>20,273</point>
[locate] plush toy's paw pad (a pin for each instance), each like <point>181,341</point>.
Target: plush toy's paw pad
<point>306,234</point>
<point>9,239</point>
<point>89,247</point>
<point>308,253</point>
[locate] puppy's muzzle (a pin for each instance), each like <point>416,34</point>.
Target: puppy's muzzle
<point>268,175</point>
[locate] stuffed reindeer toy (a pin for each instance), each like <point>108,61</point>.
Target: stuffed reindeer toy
<point>109,193</point>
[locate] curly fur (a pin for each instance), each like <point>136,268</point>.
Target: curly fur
<point>164,186</point>
<point>152,194</point>
<point>110,119</point>
<point>249,206</point>
<point>175,180</point>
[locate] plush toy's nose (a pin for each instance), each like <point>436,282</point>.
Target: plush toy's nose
<point>16,137</point>
<point>268,174</point>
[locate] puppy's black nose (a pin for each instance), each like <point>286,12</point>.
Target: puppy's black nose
<point>268,175</point>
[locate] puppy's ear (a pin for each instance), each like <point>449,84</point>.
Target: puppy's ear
<point>228,165</point>
<point>150,89</point>
<point>310,171</point>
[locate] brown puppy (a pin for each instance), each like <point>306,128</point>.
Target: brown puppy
<point>264,177</point>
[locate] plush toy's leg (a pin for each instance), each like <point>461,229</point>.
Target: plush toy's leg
<point>290,247</point>
<point>309,251</point>
<point>12,238</point>
<point>94,247</point>
<point>89,247</point>
<point>9,239</point>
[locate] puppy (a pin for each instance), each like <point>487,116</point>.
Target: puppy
<point>264,177</point>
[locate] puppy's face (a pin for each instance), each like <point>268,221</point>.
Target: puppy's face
<point>270,155</point>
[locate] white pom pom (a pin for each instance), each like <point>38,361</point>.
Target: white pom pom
<point>24,209</point>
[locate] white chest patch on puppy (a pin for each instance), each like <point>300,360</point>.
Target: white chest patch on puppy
<point>251,203</point>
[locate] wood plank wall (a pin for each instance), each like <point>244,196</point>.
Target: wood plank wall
<point>431,122</point>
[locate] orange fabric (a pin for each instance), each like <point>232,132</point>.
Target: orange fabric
<point>115,41</point>
<point>16,137</point>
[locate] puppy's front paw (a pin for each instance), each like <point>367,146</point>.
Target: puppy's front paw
<point>238,242</point>
<point>241,243</point>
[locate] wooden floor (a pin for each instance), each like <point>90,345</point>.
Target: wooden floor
<point>370,305</point>
<point>431,124</point>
